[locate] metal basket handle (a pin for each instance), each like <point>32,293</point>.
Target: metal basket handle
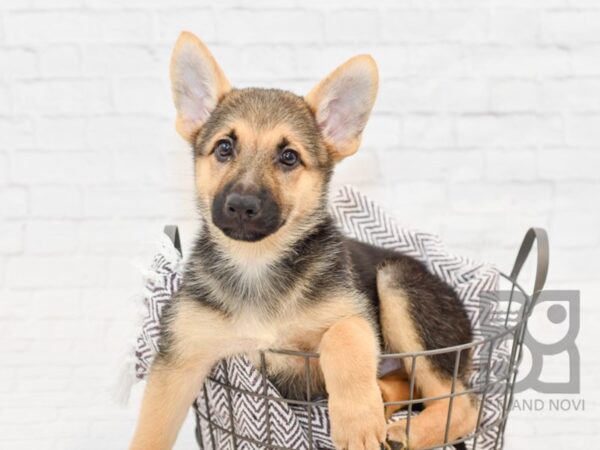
<point>172,231</point>
<point>543,259</point>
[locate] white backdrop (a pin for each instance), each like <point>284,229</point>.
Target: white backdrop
<point>487,122</point>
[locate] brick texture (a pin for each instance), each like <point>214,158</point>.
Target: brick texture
<point>488,121</point>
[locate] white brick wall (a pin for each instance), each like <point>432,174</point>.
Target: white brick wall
<point>488,121</point>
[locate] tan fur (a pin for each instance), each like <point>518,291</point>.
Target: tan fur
<point>171,389</point>
<point>427,429</point>
<point>394,387</point>
<point>200,329</point>
<point>167,398</point>
<point>303,330</point>
<point>349,362</point>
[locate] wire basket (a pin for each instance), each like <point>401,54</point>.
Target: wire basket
<point>495,361</point>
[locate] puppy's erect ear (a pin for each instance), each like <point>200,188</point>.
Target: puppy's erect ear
<point>198,83</point>
<point>342,103</point>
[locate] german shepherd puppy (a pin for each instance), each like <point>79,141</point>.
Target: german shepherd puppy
<point>270,270</point>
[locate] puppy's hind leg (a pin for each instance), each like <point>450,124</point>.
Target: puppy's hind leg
<point>404,324</point>
<point>394,387</point>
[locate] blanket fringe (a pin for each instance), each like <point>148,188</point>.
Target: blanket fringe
<point>127,376</point>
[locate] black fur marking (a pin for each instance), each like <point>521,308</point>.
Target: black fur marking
<point>167,339</point>
<point>436,310</point>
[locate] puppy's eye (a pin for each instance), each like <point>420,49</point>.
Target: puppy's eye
<point>224,150</point>
<point>289,158</point>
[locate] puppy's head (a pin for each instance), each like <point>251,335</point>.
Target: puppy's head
<point>263,157</point>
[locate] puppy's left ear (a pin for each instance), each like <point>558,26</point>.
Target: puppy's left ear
<point>342,103</point>
<point>197,82</point>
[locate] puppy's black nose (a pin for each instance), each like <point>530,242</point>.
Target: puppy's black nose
<point>246,207</point>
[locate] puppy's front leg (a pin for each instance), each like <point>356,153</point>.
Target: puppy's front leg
<point>193,340</point>
<point>349,351</point>
<point>170,391</point>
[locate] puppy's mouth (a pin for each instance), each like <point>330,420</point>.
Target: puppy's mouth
<point>246,232</point>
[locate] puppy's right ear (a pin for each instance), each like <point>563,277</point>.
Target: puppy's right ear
<point>198,83</point>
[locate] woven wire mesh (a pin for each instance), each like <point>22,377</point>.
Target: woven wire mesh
<point>495,360</point>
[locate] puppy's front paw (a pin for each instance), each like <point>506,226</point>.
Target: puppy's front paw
<point>396,436</point>
<point>358,424</point>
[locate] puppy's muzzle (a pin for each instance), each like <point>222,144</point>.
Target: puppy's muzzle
<point>246,215</point>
